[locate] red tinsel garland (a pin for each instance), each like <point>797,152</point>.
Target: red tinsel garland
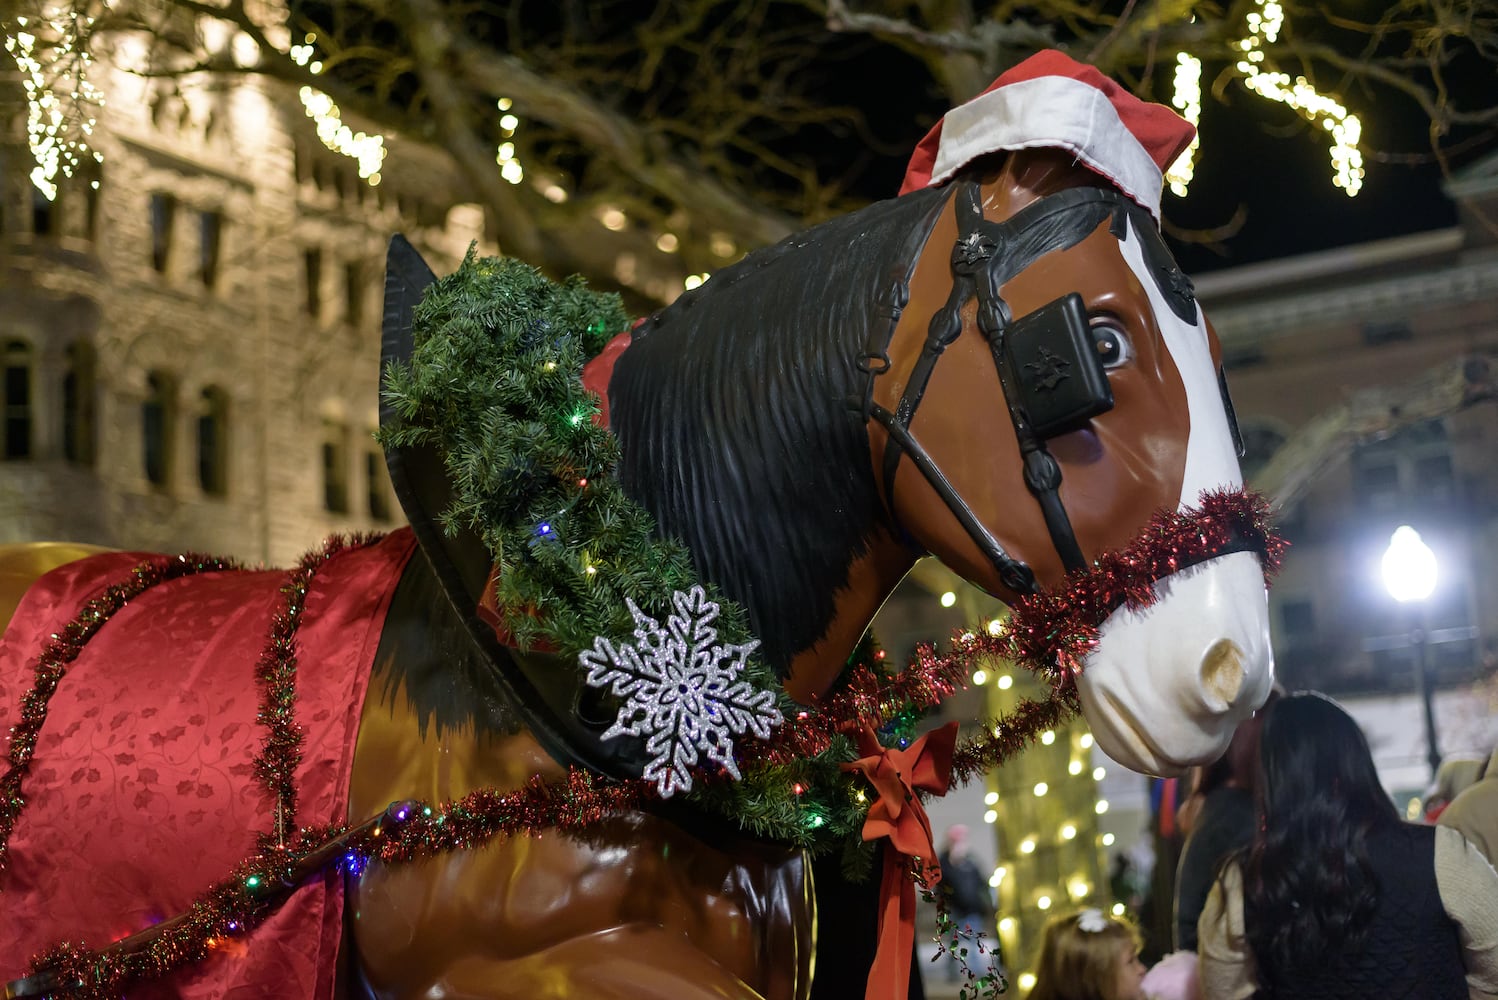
<point>1050,633</point>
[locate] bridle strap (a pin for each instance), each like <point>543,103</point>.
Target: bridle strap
<point>1042,471</point>
<point>988,254</point>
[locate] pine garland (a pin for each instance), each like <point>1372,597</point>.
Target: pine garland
<point>495,383</point>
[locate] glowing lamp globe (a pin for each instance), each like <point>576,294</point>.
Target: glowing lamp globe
<point>1409,566</point>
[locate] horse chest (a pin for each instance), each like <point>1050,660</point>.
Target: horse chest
<point>641,902</point>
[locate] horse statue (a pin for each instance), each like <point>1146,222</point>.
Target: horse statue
<point>1002,368</point>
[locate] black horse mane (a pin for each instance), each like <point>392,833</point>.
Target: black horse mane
<point>716,391</point>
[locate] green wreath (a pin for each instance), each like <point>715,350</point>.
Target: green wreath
<point>495,382</point>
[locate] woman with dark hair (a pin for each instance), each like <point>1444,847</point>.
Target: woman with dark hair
<point>1336,896</point>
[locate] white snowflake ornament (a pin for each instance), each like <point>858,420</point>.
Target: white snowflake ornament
<point>682,690</point>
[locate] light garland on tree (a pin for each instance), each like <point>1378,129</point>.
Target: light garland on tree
<point>51,52</point>
<point>365,148</point>
<point>509,166</point>
<point>1188,100</point>
<point>1345,128</point>
<point>1264,24</point>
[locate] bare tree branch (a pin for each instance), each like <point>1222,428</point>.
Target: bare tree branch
<point>1373,414</point>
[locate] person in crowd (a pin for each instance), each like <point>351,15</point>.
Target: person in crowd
<point>969,899</point>
<point>1474,812</point>
<point>1337,897</point>
<point>1454,776</point>
<point>1089,955</point>
<point>1124,882</point>
<point>1218,819</point>
<point>1174,977</point>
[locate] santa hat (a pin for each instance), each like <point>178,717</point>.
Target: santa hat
<point>1051,100</point>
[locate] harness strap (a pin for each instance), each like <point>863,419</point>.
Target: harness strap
<point>1042,472</point>
<point>987,255</point>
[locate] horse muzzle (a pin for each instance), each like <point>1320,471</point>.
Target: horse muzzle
<point>1167,685</point>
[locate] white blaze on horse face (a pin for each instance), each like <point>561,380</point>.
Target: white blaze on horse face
<point>1167,686</point>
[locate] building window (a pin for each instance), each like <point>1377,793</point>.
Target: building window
<point>1260,442</point>
<point>157,417</point>
<point>1409,470</point>
<point>1298,618</point>
<point>1387,331</point>
<point>353,292</point>
<point>335,467</point>
<point>17,401</point>
<point>79,390</point>
<point>210,231</point>
<point>374,481</point>
<point>45,214</point>
<point>213,441</point>
<point>163,214</point>
<point>312,267</point>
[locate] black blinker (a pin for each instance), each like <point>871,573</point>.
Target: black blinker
<point>1062,382</point>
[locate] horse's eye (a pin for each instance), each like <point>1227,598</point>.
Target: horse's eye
<point>1113,347</point>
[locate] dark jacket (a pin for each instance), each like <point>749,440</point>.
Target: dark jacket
<point>1224,825</point>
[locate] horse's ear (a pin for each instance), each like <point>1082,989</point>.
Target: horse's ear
<point>417,472</point>
<point>406,279</point>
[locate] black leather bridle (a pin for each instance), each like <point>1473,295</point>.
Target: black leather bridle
<point>1049,369</point>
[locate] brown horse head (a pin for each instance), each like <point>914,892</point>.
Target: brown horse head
<point>1165,686</point>
<point>816,418</point>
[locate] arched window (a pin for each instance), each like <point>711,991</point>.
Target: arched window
<point>17,399</point>
<point>1410,470</point>
<point>158,416</point>
<point>163,217</point>
<point>335,463</point>
<point>79,390</point>
<point>213,441</point>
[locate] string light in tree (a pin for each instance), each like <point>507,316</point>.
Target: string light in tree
<point>1264,24</point>
<point>1187,99</point>
<point>1346,129</point>
<point>364,148</point>
<point>509,166</point>
<point>52,56</point>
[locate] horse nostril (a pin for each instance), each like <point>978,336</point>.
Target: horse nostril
<point>1222,671</point>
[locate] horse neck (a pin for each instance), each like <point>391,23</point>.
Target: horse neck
<point>871,579</point>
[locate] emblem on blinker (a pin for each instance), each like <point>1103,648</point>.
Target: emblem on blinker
<point>1049,371</point>
<point>1180,285</point>
<point>974,247</point>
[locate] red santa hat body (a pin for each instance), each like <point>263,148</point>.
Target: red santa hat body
<point>1051,100</point>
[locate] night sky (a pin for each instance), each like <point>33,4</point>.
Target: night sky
<point>1255,154</point>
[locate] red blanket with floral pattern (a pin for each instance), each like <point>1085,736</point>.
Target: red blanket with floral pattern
<point>142,793</point>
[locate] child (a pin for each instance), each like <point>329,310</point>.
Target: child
<point>1089,956</point>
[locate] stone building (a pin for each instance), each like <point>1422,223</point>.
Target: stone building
<point>190,334</point>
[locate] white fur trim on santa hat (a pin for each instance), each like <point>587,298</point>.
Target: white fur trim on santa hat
<point>1050,111</point>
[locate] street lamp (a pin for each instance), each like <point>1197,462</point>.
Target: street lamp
<point>1409,569</point>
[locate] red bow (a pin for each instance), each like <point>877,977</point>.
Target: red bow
<point>898,814</point>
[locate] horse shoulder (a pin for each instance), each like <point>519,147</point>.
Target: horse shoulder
<point>22,564</point>
<point>638,906</point>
